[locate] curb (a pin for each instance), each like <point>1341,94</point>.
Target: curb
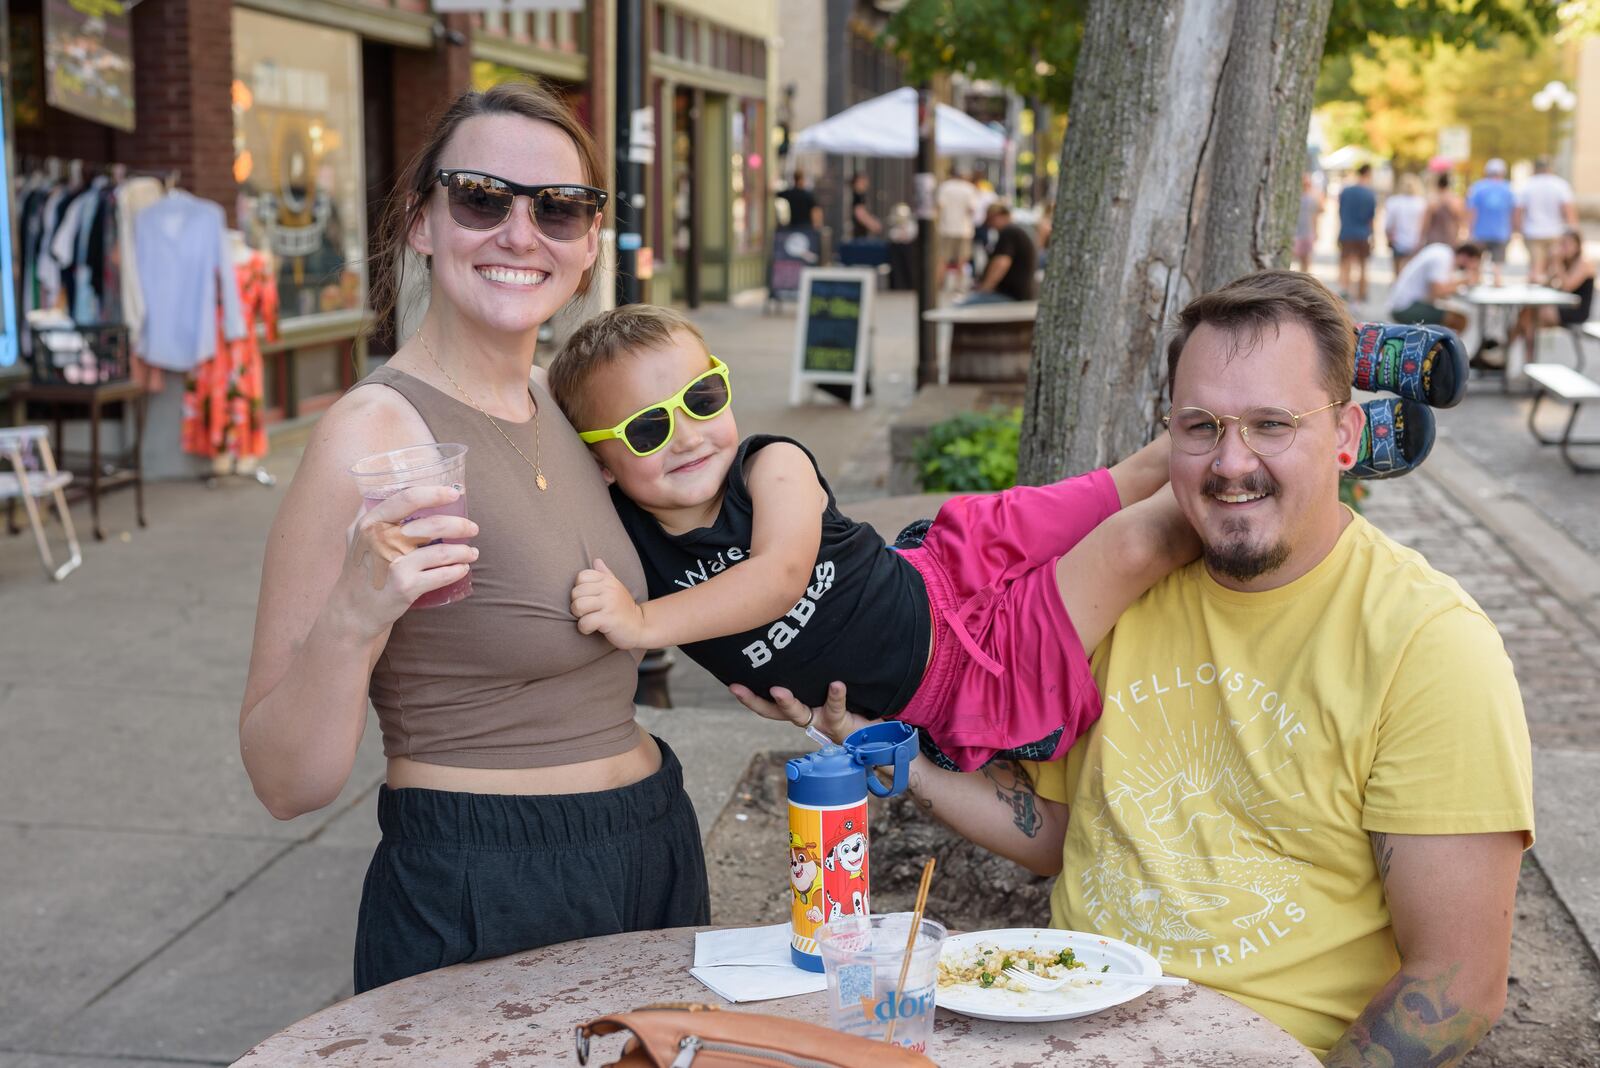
<point>1570,572</point>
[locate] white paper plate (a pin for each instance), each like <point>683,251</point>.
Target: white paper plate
<point>1068,1003</point>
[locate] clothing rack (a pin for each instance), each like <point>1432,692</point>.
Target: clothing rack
<point>76,171</point>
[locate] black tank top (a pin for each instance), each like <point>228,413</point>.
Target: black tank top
<point>863,620</point>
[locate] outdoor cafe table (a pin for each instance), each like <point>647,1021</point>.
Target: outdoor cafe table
<point>1515,298</point>
<point>522,1009</point>
<point>968,333</point>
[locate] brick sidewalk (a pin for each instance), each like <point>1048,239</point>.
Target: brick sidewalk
<point>1554,651</point>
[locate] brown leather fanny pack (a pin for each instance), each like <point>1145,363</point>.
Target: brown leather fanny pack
<point>704,1036</point>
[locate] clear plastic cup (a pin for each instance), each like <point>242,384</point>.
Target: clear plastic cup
<point>438,464</point>
<point>862,957</point>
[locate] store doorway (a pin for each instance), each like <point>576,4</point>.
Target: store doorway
<point>685,198</point>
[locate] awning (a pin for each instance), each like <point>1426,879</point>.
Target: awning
<point>887,126</point>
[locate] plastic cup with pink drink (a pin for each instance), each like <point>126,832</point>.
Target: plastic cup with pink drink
<point>437,464</point>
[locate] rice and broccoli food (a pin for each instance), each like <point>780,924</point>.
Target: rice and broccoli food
<point>984,966</point>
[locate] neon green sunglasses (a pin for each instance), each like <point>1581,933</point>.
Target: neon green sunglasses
<point>648,430</point>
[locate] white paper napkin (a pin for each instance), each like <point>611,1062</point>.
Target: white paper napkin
<point>751,964</point>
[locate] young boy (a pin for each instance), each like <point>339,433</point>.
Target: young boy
<point>977,636</point>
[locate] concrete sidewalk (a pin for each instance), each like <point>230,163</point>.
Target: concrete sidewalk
<point>151,913</point>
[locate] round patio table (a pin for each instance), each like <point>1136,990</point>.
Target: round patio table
<point>1515,298</point>
<point>522,1009</point>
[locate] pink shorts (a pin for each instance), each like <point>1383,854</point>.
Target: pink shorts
<point>1007,669</point>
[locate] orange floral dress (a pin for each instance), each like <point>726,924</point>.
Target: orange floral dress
<point>224,399</point>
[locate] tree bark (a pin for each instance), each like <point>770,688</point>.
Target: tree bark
<point>1179,172</point>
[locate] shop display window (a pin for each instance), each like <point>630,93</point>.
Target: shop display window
<point>747,172</point>
<point>298,159</point>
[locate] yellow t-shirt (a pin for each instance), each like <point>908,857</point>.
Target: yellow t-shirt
<point>1221,806</point>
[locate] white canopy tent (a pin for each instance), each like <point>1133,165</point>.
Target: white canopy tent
<point>887,126</point>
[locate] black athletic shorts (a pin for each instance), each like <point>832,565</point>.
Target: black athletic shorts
<point>461,877</point>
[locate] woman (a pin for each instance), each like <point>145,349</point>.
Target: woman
<point>1572,272</point>
<point>1442,219</point>
<point>1402,225</point>
<point>523,805</point>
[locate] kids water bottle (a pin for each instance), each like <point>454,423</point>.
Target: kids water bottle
<point>828,873</point>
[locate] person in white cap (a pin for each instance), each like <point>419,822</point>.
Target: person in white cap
<point>1490,207</point>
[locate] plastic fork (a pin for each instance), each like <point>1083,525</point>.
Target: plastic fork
<point>1039,982</point>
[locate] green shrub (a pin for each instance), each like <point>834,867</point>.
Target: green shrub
<point>973,452</point>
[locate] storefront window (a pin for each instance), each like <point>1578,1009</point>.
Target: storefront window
<point>748,173</point>
<point>297,157</point>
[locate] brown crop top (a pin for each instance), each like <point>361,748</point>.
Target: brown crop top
<point>503,679</point>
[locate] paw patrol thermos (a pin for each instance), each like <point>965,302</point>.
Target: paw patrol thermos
<point>828,874</point>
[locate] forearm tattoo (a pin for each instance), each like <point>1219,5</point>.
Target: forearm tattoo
<point>1013,786</point>
<point>914,788</point>
<point>1412,1021</point>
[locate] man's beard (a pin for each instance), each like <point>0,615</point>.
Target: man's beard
<point>1238,558</point>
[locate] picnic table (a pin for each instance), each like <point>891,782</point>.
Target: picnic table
<point>522,1009</point>
<point>1515,298</point>
<point>985,342</point>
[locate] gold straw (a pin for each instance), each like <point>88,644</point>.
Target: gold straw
<point>911,944</point>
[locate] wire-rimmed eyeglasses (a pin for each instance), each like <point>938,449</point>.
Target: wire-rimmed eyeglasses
<point>1266,430</point>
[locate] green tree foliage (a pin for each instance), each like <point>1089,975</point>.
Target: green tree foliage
<point>1355,25</point>
<point>1395,96</point>
<point>1031,46</point>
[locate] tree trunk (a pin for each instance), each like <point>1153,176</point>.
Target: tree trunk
<point>1180,171</point>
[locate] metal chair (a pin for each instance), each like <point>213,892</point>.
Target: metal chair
<point>32,480</point>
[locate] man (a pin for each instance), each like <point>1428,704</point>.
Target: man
<point>1311,785</point>
<point>1358,204</point>
<point>1490,206</point>
<point>862,222</point>
<point>1008,273</point>
<point>804,211</point>
<point>1429,277</point>
<point>1545,211</point>
<point>954,201</point>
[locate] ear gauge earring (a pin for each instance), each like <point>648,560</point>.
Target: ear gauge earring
<point>1345,459</point>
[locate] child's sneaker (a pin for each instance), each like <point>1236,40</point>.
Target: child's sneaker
<point>1421,363</point>
<point>1398,436</point>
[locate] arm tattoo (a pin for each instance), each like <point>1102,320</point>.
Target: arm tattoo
<point>1412,1021</point>
<point>1012,786</point>
<point>914,789</point>
<point>1382,854</point>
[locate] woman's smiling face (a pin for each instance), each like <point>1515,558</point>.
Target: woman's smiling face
<point>513,278</point>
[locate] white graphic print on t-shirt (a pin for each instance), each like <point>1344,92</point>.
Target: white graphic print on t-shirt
<point>1188,862</point>
<point>787,629</point>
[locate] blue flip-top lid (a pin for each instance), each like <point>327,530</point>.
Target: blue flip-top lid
<point>836,775</point>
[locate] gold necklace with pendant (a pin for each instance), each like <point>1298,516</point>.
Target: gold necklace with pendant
<point>538,475</point>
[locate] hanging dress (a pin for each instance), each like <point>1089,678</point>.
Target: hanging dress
<point>224,398</point>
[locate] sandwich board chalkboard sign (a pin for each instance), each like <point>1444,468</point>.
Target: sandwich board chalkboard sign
<point>833,331</point>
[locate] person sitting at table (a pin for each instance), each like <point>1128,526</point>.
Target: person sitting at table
<point>1429,277</point>
<point>1571,272</point>
<point>1312,784</point>
<point>522,804</point>
<point>1008,274</point>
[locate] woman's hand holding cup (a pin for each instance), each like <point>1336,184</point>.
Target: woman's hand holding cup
<point>389,562</point>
